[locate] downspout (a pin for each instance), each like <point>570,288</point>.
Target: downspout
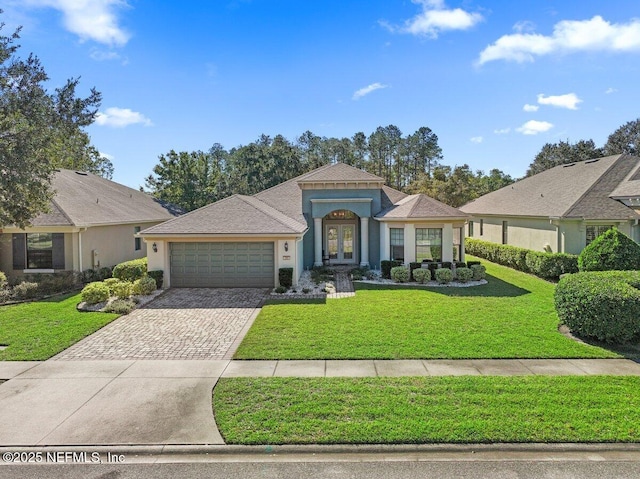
<point>556,222</point>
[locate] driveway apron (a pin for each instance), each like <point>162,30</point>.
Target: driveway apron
<point>145,378</point>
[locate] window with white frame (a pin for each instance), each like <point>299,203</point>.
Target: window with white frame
<point>593,231</point>
<point>397,243</point>
<point>428,244</point>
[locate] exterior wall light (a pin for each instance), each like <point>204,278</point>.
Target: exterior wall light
<point>154,247</point>
<point>286,246</point>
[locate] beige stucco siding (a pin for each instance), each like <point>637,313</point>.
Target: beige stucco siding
<point>531,233</point>
<point>113,244</point>
<point>6,262</point>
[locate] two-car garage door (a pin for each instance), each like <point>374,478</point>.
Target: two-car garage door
<point>222,265</point>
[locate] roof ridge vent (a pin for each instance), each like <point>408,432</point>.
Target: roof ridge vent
<point>568,165</point>
<point>591,161</point>
<point>82,173</point>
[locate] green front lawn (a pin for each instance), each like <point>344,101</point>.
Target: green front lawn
<point>513,316</point>
<point>38,330</point>
<point>428,410</point>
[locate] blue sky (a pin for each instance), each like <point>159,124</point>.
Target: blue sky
<point>495,80</point>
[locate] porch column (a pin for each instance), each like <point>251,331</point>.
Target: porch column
<point>447,242</point>
<point>317,241</point>
<point>364,241</point>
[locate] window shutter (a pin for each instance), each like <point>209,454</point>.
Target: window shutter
<point>58,251</point>
<point>19,241</point>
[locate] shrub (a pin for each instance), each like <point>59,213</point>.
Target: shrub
<point>111,282</point>
<point>471,263</point>
<point>285,277</point>
<point>54,283</point>
<point>611,250</point>
<point>131,270</point>
<point>602,305</point>
<point>400,274</point>
<point>3,280</point>
<point>433,267</point>
<point>544,265</point>
<point>158,275</point>
<point>413,266</point>
<point>123,289</point>
<point>422,275</point>
<point>144,286</point>
<point>464,274</point>
<point>120,306</point>
<point>95,292</point>
<point>447,264</point>
<point>479,272</point>
<point>444,275</point>
<point>25,290</point>
<point>104,273</point>
<point>460,264</point>
<point>551,265</point>
<point>386,265</point>
<point>281,290</point>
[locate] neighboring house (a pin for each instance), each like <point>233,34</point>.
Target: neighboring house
<point>336,214</point>
<point>92,223</point>
<point>562,209</point>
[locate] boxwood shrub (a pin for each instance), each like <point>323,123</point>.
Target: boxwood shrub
<point>422,275</point>
<point>400,274</point>
<point>603,305</point>
<point>612,250</point>
<point>144,286</point>
<point>158,275</point>
<point>444,275</point>
<point>123,289</point>
<point>464,274</point>
<point>131,270</point>
<point>479,271</point>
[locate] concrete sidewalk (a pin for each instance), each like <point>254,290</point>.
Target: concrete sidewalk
<point>146,402</point>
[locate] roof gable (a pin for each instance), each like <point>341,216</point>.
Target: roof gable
<point>340,173</point>
<point>420,206</point>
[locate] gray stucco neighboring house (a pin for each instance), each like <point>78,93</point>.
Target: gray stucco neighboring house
<point>92,223</point>
<point>335,214</point>
<point>562,209</point>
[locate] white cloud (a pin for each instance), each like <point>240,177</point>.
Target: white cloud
<point>568,36</point>
<point>528,107</point>
<point>569,101</point>
<point>121,117</point>
<point>610,90</point>
<point>101,55</point>
<point>95,20</point>
<point>502,131</point>
<point>106,155</point>
<point>476,139</point>
<point>368,89</point>
<point>436,18</point>
<point>533,127</point>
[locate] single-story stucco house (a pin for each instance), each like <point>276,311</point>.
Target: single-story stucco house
<point>336,214</point>
<point>563,208</point>
<point>92,223</point>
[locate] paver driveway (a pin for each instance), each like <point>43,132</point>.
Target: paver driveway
<point>189,323</point>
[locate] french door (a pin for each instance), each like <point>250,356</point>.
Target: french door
<point>340,242</point>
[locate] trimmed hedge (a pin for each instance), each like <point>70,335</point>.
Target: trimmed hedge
<point>604,305</point>
<point>386,265</point>
<point>541,264</point>
<point>131,270</point>
<point>479,271</point>
<point>413,266</point>
<point>612,250</point>
<point>400,274</point>
<point>285,277</point>
<point>123,289</point>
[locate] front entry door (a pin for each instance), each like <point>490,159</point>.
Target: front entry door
<point>341,243</point>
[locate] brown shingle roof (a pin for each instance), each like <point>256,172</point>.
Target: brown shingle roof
<point>579,189</point>
<point>84,199</point>
<point>420,206</point>
<point>237,214</point>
